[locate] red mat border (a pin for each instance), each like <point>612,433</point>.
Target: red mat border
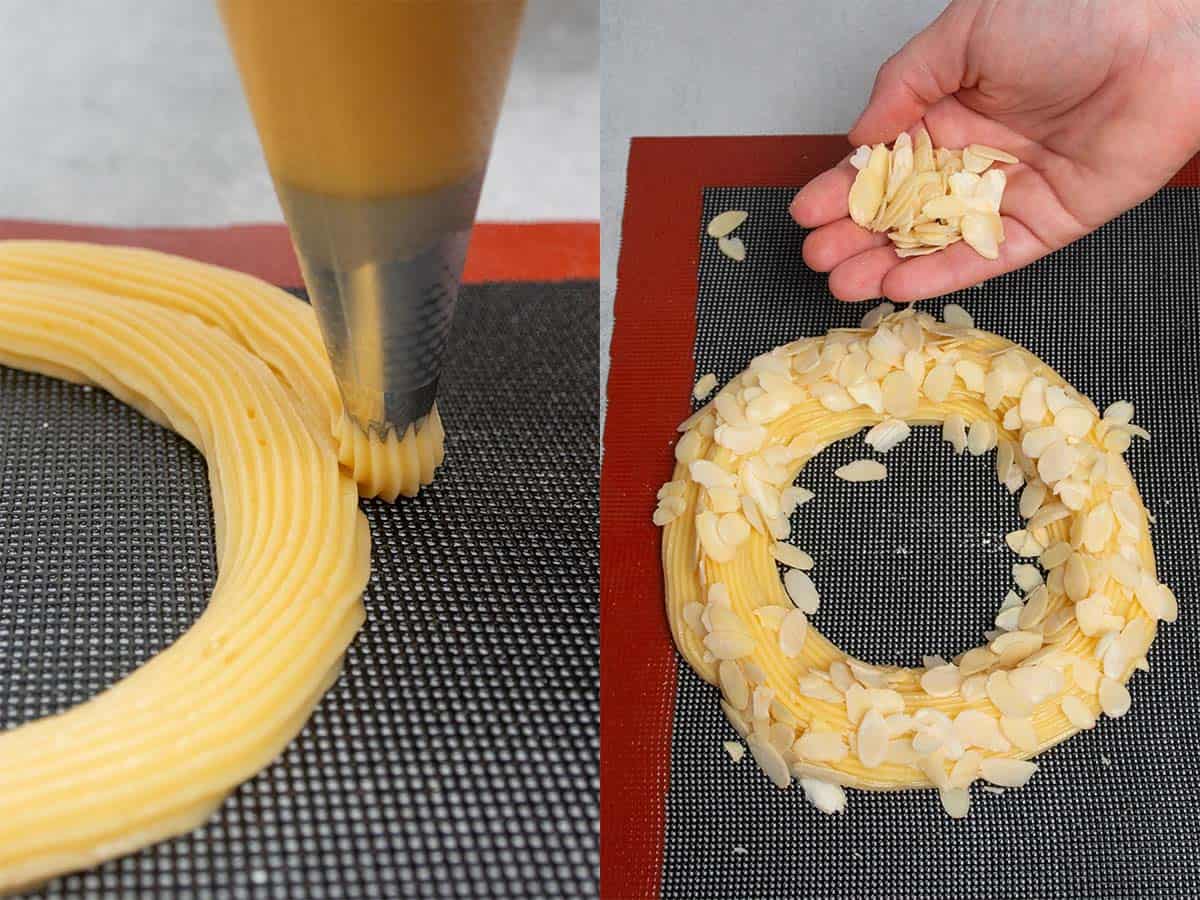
<point>499,251</point>
<point>649,383</point>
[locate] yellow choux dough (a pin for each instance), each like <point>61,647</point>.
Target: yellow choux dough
<point>271,323</point>
<point>809,711</point>
<point>155,754</point>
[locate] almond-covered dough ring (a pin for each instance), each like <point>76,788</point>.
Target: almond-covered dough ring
<point>275,326</point>
<point>1058,657</point>
<point>156,753</point>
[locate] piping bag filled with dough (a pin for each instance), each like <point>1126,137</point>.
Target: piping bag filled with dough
<point>377,148</point>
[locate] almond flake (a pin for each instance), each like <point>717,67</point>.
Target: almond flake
<point>733,247</point>
<point>801,590</point>
<point>720,225</point>
<point>792,633</point>
<point>887,434</point>
<point>862,470</point>
<point>1005,772</point>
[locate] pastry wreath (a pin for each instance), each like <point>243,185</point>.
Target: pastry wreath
<point>1059,655</point>
<point>237,368</point>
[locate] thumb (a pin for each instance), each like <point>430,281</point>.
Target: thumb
<point>926,69</point>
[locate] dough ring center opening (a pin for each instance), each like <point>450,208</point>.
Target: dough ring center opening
<point>891,555</point>
<point>112,568</point>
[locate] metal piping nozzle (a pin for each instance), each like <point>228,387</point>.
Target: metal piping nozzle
<point>384,275</point>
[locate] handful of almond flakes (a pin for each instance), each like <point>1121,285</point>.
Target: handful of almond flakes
<point>927,199</point>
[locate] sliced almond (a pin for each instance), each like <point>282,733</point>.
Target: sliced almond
<point>1006,698</point>
<point>791,556</point>
<point>1077,712</point>
<point>862,470</point>
<point>1020,731</point>
<point>923,156</point>
<point>985,152</point>
<point>729,644</point>
<point>769,760</point>
<point>989,193</point>
<point>945,207</point>
<point>984,233</point>
<point>733,247</point>
<point>821,746</point>
<point>982,437</point>
<point>1114,698</point>
<point>829,798</point>
<point>734,685</point>
<point>900,394</point>
<point>954,430</point>
<point>801,590</point>
<point>953,314</point>
<point>941,681</point>
<point>901,163</point>
<point>887,434</point>
<point>866,194</point>
<point>792,633</point>
<point>873,739</point>
<point>1007,772</point>
<point>720,225</point>
<point>963,184</point>
<point>904,253</point>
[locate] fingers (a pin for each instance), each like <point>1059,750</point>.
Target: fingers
<point>1029,198</point>
<point>926,69</point>
<point>958,266</point>
<point>831,245</point>
<point>861,277</point>
<point>860,272</point>
<point>825,198</point>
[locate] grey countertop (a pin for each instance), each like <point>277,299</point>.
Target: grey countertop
<point>127,112</point>
<point>715,67</point>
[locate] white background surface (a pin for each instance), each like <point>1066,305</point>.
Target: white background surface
<point>129,112</point>
<point>719,67</point>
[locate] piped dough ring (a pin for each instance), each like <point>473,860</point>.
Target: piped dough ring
<point>153,755</point>
<point>799,700</point>
<point>275,326</point>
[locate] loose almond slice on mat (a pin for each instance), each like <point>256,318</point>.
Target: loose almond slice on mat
<point>733,247</point>
<point>721,225</point>
<point>862,470</point>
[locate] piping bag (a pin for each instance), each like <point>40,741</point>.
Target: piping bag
<point>376,118</point>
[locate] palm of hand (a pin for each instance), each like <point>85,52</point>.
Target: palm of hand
<point>1100,120</point>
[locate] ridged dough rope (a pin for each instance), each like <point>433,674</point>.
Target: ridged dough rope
<point>271,323</point>
<point>237,369</point>
<point>1058,656</point>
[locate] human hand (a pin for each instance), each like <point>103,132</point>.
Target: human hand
<point>1099,100</point>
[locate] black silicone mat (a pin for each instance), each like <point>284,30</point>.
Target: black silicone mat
<point>917,564</point>
<point>457,754</point>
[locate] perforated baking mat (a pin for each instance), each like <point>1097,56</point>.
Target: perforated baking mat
<point>456,755</point>
<point>917,564</point>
